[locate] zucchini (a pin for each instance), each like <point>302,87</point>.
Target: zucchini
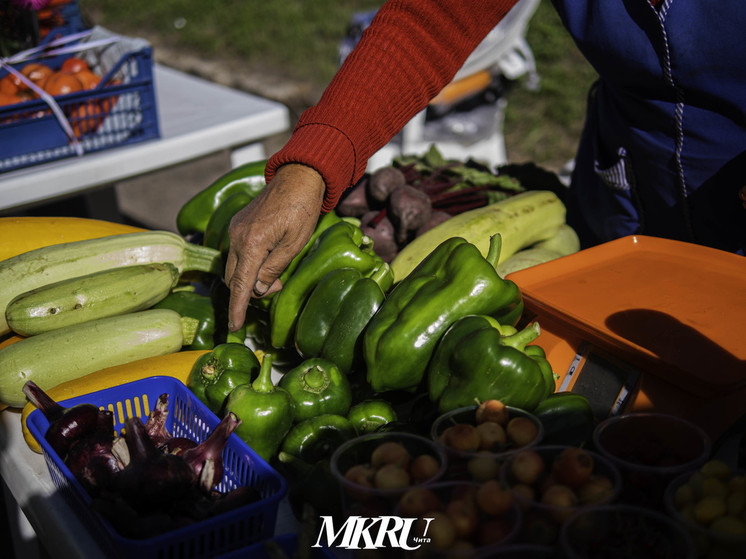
<point>521,220</point>
<point>565,241</point>
<point>51,264</point>
<point>525,259</point>
<point>106,293</point>
<point>67,353</point>
<point>24,233</point>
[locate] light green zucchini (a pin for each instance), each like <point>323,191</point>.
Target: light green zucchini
<point>565,241</point>
<point>525,259</point>
<point>521,220</point>
<point>68,353</point>
<point>97,295</point>
<point>54,263</point>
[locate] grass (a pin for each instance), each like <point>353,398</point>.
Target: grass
<point>301,38</point>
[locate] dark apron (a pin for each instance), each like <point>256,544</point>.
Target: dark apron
<point>663,151</point>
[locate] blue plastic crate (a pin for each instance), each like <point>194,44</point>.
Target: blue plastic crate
<point>59,19</point>
<point>187,417</point>
<point>120,111</point>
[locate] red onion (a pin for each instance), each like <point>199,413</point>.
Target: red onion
<point>177,445</point>
<point>155,425</point>
<point>66,425</point>
<point>152,479</point>
<point>210,452</point>
<point>91,461</point>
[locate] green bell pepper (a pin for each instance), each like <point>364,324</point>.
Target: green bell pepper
<point>325,222</point>
<point>214,375</point>
<point>453,281</point>
<point>195,213</point>
<point>337,311</point>
<point>474,360</point>
<point>317,438</point>
<point>540,356</point>
<point>317,386</point>
<point>216,230</point>
<point>211,331</point>
<point>568,419</point>
<point>266,412</point>
<point>343,245</point>
<point>369,415</point>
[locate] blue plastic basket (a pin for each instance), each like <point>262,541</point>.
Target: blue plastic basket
<point>120,111</point>
<point>187,417</point>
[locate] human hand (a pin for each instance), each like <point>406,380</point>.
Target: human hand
<point>268,233</point>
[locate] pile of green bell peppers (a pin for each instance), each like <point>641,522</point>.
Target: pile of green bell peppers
<point>453,281</point>
<point>343,245</point>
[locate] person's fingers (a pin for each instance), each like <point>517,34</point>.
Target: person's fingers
<point>268,233</point>
<point>240,272</point>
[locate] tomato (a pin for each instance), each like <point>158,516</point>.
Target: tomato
<point>60,83</point>
<point>11,85</point>
<point>37,73</point>
<point>88,79</point>
<point>6,99</point>
<point>73,65</point>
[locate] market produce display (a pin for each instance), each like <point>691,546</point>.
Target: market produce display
<point>355,344</point>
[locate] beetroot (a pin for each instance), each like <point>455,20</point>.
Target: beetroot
<point>436,218</point>
<point>409,209</point>
<point>384,181</point>
<point>354,202</point>
<point>381,230</point>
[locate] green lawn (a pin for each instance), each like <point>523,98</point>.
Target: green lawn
<point>301,38</point>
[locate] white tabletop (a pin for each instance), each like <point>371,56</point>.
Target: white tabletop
<point>197,117</point>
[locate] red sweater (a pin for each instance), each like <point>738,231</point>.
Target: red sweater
<point>398,66</point>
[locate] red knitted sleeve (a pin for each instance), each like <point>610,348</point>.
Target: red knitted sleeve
<point>411,50</point>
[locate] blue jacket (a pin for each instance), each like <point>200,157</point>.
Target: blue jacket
<point>663,151</point>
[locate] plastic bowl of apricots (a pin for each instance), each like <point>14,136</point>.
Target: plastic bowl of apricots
<point>551,483</point>
<point>459,518</point>
<point>478,439</point>
<point>375,470</point>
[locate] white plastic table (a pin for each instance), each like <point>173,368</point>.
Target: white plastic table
<point>197,118</point>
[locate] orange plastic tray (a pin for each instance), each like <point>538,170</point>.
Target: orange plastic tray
<point>670,308</point>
